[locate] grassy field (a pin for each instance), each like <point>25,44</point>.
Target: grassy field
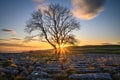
<point>94,49</point>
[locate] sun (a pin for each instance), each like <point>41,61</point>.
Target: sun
<point>61,46</point>
<point>63,50</point>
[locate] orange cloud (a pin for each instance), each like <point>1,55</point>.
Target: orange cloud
<point>87,9</point>
<point>14,45</point>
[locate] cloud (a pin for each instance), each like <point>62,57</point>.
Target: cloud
<point>10,39</point>
<point>30,38</point>
<point>118,42</point>
<point>41,4</point>
<point>82,9</point>
<point>39,1</point>
<point>14,45</point>
<point>9,31</point>
<point>42,7</point>
<point>14,38</point>
<point>87,9</point>
<point>107,43</point>
<point>4,39</point>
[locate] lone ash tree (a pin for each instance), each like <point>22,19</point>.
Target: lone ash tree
<point>54,25</point>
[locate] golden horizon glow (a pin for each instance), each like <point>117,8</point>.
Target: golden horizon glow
<point>20,46</point>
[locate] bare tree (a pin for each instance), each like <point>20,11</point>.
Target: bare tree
<point>54,25</point>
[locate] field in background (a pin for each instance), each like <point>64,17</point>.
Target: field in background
<point>89,49</point>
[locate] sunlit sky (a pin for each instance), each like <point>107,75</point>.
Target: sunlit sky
<point>99,19</point>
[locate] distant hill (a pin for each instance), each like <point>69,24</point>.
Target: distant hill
<point>95,49</point>
<point>105,49</point>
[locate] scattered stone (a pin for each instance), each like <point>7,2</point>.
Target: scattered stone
<point>92,76</point>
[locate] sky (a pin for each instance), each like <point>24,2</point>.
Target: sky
<point>99,20</point>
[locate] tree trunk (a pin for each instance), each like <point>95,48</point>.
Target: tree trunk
<point>58,57</point>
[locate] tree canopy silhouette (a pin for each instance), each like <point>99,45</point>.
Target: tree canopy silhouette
<point>54,25</point>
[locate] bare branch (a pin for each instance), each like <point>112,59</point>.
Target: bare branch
<point>54,24</point>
